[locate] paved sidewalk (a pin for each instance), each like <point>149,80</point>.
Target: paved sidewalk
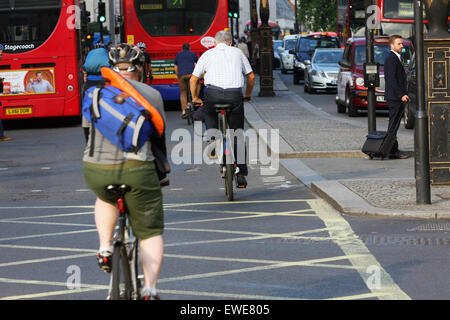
<point>323,151</point>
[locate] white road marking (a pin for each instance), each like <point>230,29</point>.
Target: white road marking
<point>356,250</point>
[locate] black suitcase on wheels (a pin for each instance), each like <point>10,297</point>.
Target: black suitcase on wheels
<point>378,144</point>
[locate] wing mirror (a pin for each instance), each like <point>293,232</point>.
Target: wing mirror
<point>345,64</point>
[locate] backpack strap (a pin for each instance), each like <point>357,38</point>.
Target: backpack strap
<point>95,114</point>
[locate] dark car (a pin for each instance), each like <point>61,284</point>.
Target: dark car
<point>305,47</point>
<point>411,105</point>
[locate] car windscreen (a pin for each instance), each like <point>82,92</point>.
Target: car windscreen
<point>325,57</point>
<point>290,44</point>
<point>380,53</point>
<point>175,18</point>
<point>25,25</point>
<point>309,44</point>
<point>276,45</point>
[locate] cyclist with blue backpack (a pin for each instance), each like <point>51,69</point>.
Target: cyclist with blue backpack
<point>105,164</point>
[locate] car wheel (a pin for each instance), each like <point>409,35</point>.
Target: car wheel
<point>296,78</point>
<point>352,110</point>
<point>408,117</point>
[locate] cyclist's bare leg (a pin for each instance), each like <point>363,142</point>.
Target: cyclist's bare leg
<point>105,219</point>
<point>183,93</point>
<point>151,253</point>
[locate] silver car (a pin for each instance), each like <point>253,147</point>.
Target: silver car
<point>322,71</point>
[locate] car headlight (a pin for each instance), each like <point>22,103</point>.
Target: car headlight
<point>314,72</point>
<point>300,65</point>
<point>359,82</point>
<point>322,74</point>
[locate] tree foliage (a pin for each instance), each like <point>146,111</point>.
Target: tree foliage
<point>317,15</point>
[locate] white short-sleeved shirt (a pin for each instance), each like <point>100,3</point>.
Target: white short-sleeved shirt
<point>223,66</point>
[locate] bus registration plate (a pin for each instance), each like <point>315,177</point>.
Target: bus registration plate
<point>18,111</point>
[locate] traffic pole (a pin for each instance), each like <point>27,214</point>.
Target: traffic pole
<point>422,162</point>
<point>371,103</point>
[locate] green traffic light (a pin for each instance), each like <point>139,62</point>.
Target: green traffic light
<point>102,19</point>
<point>230,14</point>
<point>236,15</point>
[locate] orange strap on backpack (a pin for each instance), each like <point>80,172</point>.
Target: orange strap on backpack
<point>118,81</point>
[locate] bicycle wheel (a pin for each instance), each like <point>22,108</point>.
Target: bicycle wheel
<point>229,168</point>
<point>121,279</point>
<point>132,246</point>
<point>229,182</point>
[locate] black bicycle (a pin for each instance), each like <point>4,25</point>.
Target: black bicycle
<point>125,283</point>
<point>190,108</point>
<point>226,159</point>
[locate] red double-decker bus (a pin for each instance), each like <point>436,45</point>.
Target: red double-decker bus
<point>395,17</point>
<point>164,25</point>
<point>39,68</point>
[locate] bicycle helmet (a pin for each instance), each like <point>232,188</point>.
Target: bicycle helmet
<point>141,45</point>
<point>126,53</point>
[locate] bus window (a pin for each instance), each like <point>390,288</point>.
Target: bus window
<point>160,18</point>
<point>401,9</point>
<point>26,21</point>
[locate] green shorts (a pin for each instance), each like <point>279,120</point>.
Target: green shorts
<point>144,200</point>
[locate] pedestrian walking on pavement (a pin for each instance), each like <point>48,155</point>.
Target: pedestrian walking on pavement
<point>243,46</point>
<point>396,92</point>
<point>184,64</point>
<point>223,69</point>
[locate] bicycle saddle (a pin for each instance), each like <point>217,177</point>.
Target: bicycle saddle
<point>220,107</point>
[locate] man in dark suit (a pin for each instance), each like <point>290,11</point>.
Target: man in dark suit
<point>396,93</point>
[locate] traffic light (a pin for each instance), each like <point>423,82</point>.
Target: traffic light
<point>85,15</point>
<point>101,12</point>
<point>233,9</point>
<point>236,9</point>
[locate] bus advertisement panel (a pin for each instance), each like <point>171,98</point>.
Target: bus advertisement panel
<point>164,25</point>
<point>39,68</point>
<point>28,81</point>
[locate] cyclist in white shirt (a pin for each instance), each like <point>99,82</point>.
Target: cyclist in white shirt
<point>223,68</point>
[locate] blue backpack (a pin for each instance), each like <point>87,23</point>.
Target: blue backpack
<point>118,117</point>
